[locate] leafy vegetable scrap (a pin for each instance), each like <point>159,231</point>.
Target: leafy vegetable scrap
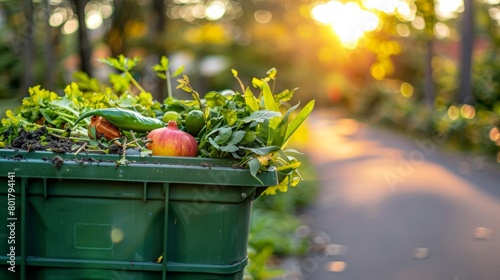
<point>236,124</point>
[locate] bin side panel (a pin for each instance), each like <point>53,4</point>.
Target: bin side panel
<point>97,226</point>
<point>202,231</point>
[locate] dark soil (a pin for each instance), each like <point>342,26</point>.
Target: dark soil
<point>41,140</point>
<point>57,161</point>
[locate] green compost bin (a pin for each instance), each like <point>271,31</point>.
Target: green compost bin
<point>83,217</point>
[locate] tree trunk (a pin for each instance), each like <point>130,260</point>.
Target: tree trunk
<point>49,50</point>
<point>85,49</point>
<point>157,36</point>
<point>28,48</point>
<point>467,43</point>
<point>429,80</point>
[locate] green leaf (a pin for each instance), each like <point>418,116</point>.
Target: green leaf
<point>45,113</point>
<point>178,71</point>
<point>120,83</point>
<point>285,95</point>
<point>262,150</point>
<point>121,63</point>
<point>281,129</point>
<point>269,102</point>
<point>251,101</point>
<point>86,83</point>
<point>164,62</point>
<point>257,83</point>
<point>254,166</point>
<point>161,68</point>
<point>93,132</point>
<point>271,73</point>
<point>215,99</point>
<point>229,148</point>
<point>260,116</point>
<point>248,138</point>
<point>236,137</point>
<point>293,151</point>
<point>223,136</point>
<point>289,168</point>
<point>216,146</point>
<point>297,121</point>
<point>230,116</point>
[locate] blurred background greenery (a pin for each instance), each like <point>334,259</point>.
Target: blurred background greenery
<point>430,67</point>
<point>427,67</point>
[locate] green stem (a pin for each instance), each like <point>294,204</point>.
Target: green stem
<point>67,108</point>
<point>196,96</point>
<point>136,141</point>
<point>134,82</point>
<point>50,129</point>
<point>71,122</point>
<point>241,84</point>
<point>169,84</point>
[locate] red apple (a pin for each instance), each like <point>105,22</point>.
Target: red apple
<point>170,141</point>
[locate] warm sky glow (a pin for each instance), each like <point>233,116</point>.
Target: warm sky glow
<point>447,9</point>
<point>349,21</point>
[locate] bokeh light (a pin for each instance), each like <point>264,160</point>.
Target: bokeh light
<point>191,10</point>
<point>263,16</point>
<point>494,134</point>
<point>447,9</point>
<point>406,89</point>
<point>468,111</point>
<point>453,112</point>
<point>56,19</point>
<point>117,235</point>
<point>403,30</point>
<point>70,27</point>
<point>215,10</point>
<point>93,20</point>
<point>442,30</point>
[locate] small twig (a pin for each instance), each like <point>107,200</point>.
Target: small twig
<point>81,148</point>
<point>136,141</point>
<point>124,155</point>
<point>124,146</point>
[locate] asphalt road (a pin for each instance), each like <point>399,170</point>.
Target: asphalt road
<point>395,208</point>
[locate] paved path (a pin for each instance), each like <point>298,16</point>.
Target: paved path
<point>393,208</point>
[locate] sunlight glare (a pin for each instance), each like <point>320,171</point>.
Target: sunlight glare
<point>406,12</point>
<point>349,21</point>
<point>386,6</point>
<point>93,20</point>
<point>215,10</point>
<point>447,9</point>
<point>494,13</point>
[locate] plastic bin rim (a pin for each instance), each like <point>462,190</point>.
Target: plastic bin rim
<point>208,171</point>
